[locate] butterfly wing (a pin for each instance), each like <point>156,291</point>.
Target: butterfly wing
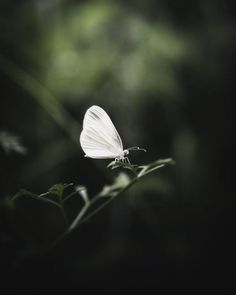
<point>99,138</point>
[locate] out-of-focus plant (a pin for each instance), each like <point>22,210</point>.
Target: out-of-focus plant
<point>11,143</point>
<point>104,51</point>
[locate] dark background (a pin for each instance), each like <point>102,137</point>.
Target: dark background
<point>164,71</point>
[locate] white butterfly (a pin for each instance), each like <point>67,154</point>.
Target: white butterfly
<point>99,138</point>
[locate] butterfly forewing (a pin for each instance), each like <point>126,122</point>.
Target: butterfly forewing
<point>99,138</point>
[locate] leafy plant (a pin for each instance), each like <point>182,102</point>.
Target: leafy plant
<point>58,195</point>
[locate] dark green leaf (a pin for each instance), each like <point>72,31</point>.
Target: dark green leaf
<point>119,164</point>
<point>58,189</point>
<point>146,169</point>
<point>120,182</point>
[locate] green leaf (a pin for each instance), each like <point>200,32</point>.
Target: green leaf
<point>119,164</point>
<point>21,193</point>
<point>58,189</point>
<point>146,169</point>
<point>142,170</point>
<point>120,182</point>
<point>82,191</point>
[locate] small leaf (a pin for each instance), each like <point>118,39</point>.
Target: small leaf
<point>119,164</point>
<point>120,182</point>
<point>154,166</point>
<point>142,170</point>
<point>82,191</point>
<point>21,193</point>
<point>168,161</point>
<point>58,189</point>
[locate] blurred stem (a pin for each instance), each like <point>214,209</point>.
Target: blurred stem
<point>77,220</point>
<point>43,96</point>
<point>69,196</point>
<point>64,215</point>
<point>63,211</point>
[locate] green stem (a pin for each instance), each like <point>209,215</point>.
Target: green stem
<point>94,200</point>
<point>77,220</point>
<point>64,215</point>
<point>69,196</point>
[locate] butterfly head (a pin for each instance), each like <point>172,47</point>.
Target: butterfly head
<point>125,152</point>
<point>135,148</point>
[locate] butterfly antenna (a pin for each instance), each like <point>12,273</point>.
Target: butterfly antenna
<point>136,148</point>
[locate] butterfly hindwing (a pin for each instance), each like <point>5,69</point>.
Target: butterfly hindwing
<point>99,138</point>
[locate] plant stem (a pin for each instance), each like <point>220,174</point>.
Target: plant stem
<point>36,197</point>
<point>97,210</point>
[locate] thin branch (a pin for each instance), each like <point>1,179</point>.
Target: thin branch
<point>69,196</point>
<point>97,210</point>
<point>36,197</point>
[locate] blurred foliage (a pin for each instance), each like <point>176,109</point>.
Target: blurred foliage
<point>11,143</point>
<point>104,51</point>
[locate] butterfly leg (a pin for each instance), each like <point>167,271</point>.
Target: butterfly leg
<point>122,160</point>
<point>126,160</point>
